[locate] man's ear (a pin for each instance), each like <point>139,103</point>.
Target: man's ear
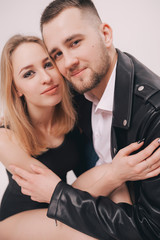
<point>106,31</point>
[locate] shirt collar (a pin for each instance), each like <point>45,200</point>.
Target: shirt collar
<point>106,101</point>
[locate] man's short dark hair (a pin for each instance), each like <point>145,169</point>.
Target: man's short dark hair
<point>57,6</point>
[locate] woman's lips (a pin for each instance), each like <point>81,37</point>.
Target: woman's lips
<point>51,90</point>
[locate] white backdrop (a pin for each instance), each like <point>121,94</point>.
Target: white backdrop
<point>135,24</point>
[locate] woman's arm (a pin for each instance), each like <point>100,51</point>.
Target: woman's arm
<point>101,180</point>
<point>120,195</point>
<point>94,183</point>
<point>12,153</point>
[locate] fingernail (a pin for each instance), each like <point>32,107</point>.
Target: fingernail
<point>159,140</point>
<point>142,140</point>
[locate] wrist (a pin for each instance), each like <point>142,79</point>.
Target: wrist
<point>110,179</point>
<point>115,178</point>
<point>53,187</point>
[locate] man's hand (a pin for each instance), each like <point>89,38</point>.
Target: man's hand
<point>40,184</point>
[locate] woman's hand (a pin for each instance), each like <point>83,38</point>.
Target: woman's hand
<point>103,179</point>
<point>142,165</point>
<point>39,185</point>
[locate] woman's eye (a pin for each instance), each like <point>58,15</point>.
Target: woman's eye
<point>48,65</point>
<point>28,74</point>
<point>57,55</point>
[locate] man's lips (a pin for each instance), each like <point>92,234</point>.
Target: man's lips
<point>50,89</point>
<point>77,72</point>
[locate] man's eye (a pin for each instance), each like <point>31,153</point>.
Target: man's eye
<point>48,65</point>
<point>75,43</point>
<point>28,74</point>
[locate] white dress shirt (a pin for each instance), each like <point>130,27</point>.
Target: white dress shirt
<point>101,121</point>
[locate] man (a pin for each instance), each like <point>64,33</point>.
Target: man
<point>121,105</point>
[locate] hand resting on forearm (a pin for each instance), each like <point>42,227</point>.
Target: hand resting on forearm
<point>101,180</point>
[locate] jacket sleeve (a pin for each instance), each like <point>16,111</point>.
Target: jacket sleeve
<point>103,219</point>
<point>97,217</point>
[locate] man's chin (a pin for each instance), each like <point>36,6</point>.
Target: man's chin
<point>80,89</point>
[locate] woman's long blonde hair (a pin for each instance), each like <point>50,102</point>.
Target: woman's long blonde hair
<point>14,107</point>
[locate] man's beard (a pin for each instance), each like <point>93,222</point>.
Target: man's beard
<point>94,79</point>
<point>85,87</point>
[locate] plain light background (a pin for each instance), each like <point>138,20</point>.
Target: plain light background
<point>135,24</point>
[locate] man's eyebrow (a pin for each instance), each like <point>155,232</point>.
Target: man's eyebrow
<point>68,39</point>
<point>52,51</point>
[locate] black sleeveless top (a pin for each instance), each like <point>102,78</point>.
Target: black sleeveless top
<point>68,156</point>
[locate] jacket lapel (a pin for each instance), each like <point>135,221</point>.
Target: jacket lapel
<point>123,96</point>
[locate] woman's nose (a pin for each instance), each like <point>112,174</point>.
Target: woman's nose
<point>45,77</point>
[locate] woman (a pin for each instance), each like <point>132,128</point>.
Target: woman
<point>39,115</point>
<point>39,121</point>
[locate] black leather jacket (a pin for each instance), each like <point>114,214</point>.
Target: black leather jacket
<point>136,115</point>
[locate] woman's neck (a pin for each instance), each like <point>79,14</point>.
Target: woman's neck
<point>44,126</point>
<point>42,119</point>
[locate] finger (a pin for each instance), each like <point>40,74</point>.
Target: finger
<point>37,169</point>
<point>154,158</point>
<point>144,167</point>
<point>145,153</point>
<point>35,199</point>
<point>20,181</point>
<point>154,166</point>
<point>130,148</point>
<point>154,173</point>
<point>20,172</point>
<point>25,191</point>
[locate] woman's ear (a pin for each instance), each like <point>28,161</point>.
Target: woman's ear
<point>14,87</point>
<point>106,31</point>
<point>19,94</point>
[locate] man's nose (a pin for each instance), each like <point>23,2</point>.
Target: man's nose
<point>70,61</point>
